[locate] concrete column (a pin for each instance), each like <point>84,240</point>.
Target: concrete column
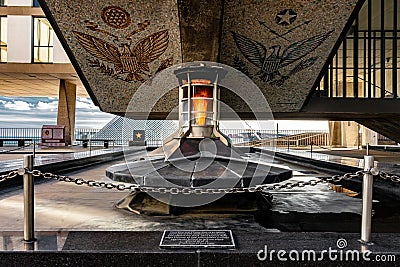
<point>66,109</point>
<point>350,135</point>
<point>345,134</point>
<point>200,25</point>
<point>335,133</point>
<point>369,136</point>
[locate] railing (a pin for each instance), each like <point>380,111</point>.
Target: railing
<point>154,137</point>
<point>281,138</point>
<point>366,65</point>
<point>21,133</point>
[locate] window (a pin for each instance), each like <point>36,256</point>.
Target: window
<point>367,64</point>
<point>3,2</point>
<point>3,39</point>
<point>42,41</point>
<point>36,3</point>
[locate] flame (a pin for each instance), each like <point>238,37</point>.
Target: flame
<point>200,104</point>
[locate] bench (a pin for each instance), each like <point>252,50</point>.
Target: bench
<point>21,141</point>
<point>85,142</point>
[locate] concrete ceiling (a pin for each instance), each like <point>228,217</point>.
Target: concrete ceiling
<point>37,79</point>
<point>21,84</point>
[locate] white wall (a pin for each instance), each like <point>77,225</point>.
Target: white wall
<point>19,3</point>
<point>19,43</point>
<point>19,39</point>
<point>59,55</point>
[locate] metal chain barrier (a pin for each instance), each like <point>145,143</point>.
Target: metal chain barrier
<point>385,176</point>
<point>10,175</point>
<point>368,174</point>
<point>188,191</point>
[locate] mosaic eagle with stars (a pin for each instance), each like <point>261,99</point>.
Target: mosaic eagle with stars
<point>133,60</point>
<point>271,63</point>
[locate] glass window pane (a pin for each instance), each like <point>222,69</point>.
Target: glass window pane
<point>35,54</point>
<point>50,59</point>
<point>398,83</point>
<point>388,83</point>
<point>35,33</point>
<point>43,40</point>
<point>42,54</point>
<point>388,14</point>
<point>376,15</point>
<point>350,53</point>
<point>3,39</point>
<point>398,52</point>
<point>3,30</point>
<point>377,83</point>
<point>51,37</point>
<point>3,54</point>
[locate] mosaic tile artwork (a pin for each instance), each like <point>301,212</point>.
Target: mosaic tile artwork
<point>117,45</point>
<point>283,48</point>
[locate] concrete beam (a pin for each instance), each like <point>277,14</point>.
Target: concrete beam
<point>251,36</point>
<point>37,68</point>
<point>21,11</point>
<point>337,108</point>
<point>200,25</point>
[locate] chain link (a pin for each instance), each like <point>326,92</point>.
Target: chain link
<point>385,176</point>
<point>198,191</point>
<point>8,176</point>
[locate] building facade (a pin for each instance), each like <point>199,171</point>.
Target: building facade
<point>33,61</point>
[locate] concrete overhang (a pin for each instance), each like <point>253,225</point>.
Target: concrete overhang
<point>24,79</point>
<point>283,46</point>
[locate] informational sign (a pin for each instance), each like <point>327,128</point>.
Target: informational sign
<point>221,239</point>
<point>53,135</point>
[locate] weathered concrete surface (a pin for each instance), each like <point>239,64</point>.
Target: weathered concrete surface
<point>116,45</point>
<point>66,109</point>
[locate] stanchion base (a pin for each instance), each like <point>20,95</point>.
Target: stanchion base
<point>365,242</point>
<point>29,241</point>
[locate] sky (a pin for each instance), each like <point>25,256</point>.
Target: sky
<point>33,112</point>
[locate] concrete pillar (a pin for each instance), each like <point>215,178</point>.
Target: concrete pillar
<point>335,133</point>
<point>200,29</point>
<point>345,134</point>
<point>369,137</point>
<point>350,134</point>
<point>66,109</point>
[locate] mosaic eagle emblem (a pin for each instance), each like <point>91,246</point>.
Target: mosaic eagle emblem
<point>122,58</point>
<point>132,60</point>
<point>270,64</point>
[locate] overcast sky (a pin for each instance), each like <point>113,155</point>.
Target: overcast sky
<point>33,112</point>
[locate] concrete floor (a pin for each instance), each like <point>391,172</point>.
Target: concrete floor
<point>65,206</point>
